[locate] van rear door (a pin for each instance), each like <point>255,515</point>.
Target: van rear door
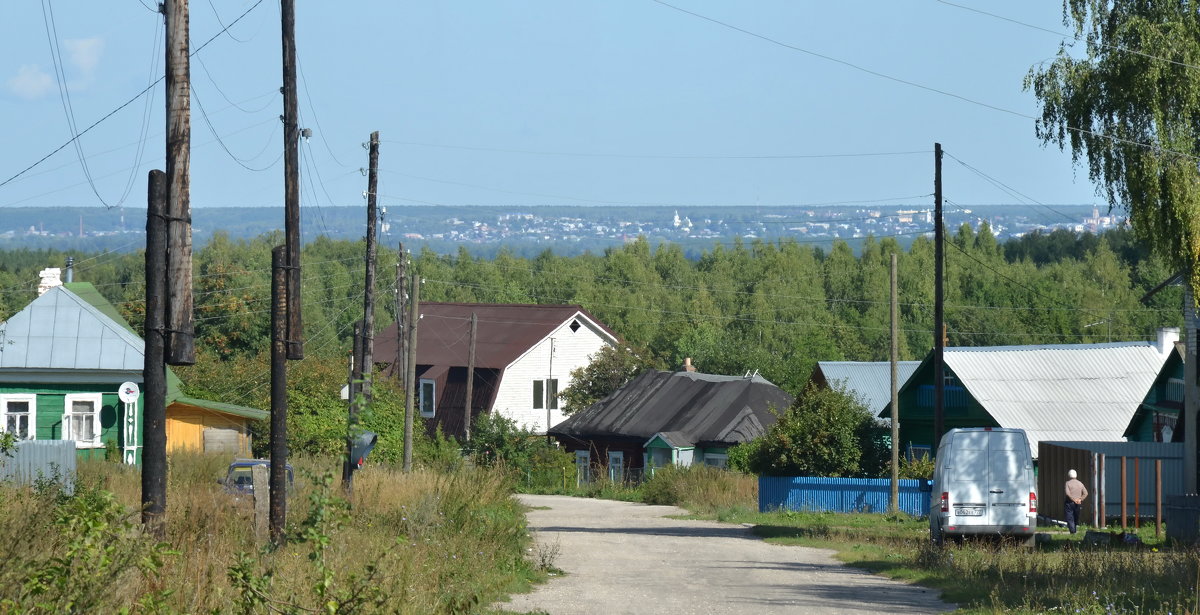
<point>968,480</point>
<point>1008,488</point>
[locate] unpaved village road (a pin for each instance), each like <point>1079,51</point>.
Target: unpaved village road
<point>628,558</point>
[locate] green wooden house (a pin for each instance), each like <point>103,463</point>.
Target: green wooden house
<point>1157,418</point>
<point>1067,392</point>
<point>64,359</point>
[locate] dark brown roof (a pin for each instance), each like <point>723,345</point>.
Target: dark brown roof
<point>694,407</point>
<point>505,332</point>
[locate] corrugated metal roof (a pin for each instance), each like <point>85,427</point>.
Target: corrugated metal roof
<point>692,407</point>
<point>870,380</point>
<point>59,330</point>
<point>504,333</point>
<point>1059,392</point>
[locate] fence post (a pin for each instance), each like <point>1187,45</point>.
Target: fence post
<point>1158,498</point>
<point>1124,487</point>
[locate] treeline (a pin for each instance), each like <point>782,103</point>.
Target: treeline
<point>774,307</point>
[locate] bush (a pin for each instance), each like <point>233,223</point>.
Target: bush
<point>826,432</point>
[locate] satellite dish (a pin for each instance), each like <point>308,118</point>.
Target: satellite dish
<point>128,392</point>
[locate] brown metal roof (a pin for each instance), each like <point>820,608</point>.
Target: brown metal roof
<point>505,332</point>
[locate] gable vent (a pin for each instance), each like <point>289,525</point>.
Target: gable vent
<point>575,326</point>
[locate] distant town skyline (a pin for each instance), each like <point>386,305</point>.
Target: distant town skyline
<point>634,102</point>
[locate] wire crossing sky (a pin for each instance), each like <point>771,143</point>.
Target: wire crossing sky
<point>543,102</point>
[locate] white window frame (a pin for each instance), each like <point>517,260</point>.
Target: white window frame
<point>547,397</point>
<point>720,460</point>
<point>69,400</point>
<point>619,457</point>
<point>539,394</point>
<point>432,397</point>
<point>29,398</point>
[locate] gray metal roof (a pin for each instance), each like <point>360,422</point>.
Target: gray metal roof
<point>59,330</point>
<point>870,381</point>
<point>1060,392</point>
<point>687,407</point>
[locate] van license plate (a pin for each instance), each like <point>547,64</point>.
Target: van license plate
<point>968,512</point>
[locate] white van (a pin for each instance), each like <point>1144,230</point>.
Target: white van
<point>983,484</point>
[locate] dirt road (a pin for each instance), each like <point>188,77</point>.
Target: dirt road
<point>628,558</point>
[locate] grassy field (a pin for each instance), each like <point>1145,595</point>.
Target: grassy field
<point>425,542</point>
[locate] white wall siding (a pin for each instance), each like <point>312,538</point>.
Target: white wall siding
<point>572,350</point>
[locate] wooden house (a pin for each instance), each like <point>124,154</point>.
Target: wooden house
<point>662,418</point>
<point>524,356</point>
<point>1159,417</point>
<point>62,360</point>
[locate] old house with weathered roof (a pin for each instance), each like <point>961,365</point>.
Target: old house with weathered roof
<point>868,381</point>
<point>1061,392</point>
<point>63,359</point>
<point>524,356</point>
<point>662,418</point>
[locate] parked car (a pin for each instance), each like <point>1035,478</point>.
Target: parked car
<point>239,478</point>
<point>983,484</point>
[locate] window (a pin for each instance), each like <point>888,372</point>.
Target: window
<point>545,394</point>
<point>81,419</point>
<point>427,393</point>
<point>716,460</point>
<point>616,466</point>
<point>18,414</point>
<point>583,466</point>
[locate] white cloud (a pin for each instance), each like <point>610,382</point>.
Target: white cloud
<point>31,82</point>
<point>84,54</point>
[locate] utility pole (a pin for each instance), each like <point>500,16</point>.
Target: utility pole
<point>399,365</point>
<point>365,358</point>
<point>354,387</point>
<point>291,180</point>
<point>154,375</point>
<point>895,360</point>
<point>414,315</point>
<point>470,378</point>
<point>277,514</point>
<point>180,344</point>
<point>939,322</point>
<point>1190,395</point>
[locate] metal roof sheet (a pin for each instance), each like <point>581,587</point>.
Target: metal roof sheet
<point>870,380</point>
<point>59,330</point>
<point>1059,392</point>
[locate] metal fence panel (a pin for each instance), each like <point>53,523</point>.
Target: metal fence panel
<point>40,459</point>
<point>839,494</point>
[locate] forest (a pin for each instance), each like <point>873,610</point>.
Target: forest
<point>775,307</point>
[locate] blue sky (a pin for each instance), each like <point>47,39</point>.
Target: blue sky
<point>564,102</point>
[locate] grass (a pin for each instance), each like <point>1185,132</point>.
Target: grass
<point>425,542</point>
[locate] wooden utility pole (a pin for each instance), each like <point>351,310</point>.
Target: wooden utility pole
<point>414,315</point>
<point>939,321</point>
<point>180,344</point>
<point>291,180</point>
<point>1191,392</point>
<point>365,358</point>
<point>154,375</point>
<point>279,399</point>
<point>895,360</point>
<point>470,378</point>
<point>354,387</point>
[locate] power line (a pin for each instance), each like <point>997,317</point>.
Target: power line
<point>658,156</point>
<point>1013,192</point>
<point>126,103</point>
<point>221,142</point>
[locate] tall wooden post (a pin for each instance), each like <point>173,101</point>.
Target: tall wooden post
<point>279,399</point>
<point>354,386</point>
<point>414,315</point>
<point>180,344</point>
<point>366,359</point>
<point>895,388</point>
<point>291,180</point>
<point>470,379</point>
<point>154,376</point>
<point>939,321</point>
<point>1191,391</point>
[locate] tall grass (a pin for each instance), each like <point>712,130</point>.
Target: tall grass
<point>424,542</point>
<point>700,488</point>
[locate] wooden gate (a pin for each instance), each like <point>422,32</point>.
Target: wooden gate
<point>1053,463</point>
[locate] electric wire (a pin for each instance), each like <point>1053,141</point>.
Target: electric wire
<point>241,162</point>
<point>658,156</point>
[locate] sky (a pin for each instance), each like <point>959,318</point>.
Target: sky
<point>544,102</point>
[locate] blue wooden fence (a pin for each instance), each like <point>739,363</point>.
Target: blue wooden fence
<point>34,460</point>
<point>839,494</point>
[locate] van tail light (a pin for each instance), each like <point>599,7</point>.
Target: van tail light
<point>945,501</point>
<point>1032,502</point>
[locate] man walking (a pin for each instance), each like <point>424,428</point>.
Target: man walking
<point>1076,492</point>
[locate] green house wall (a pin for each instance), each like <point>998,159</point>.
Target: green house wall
<point>916,409</point>
<point>1142,422</point>
<point>51,405</point>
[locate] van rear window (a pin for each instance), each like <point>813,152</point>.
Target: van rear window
<point>1008,441</point>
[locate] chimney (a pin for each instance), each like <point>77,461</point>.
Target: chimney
<point>1167,336</point>
<point>51,277</point>
<point>687,365</point>
<point>70,269</point>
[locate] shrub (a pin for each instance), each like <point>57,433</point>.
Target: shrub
<point>826,432</point>
<point>700,488</point>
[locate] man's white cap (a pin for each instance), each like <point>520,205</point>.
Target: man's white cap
<point>1071,474</point>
